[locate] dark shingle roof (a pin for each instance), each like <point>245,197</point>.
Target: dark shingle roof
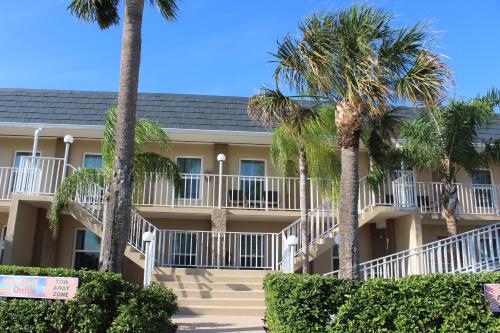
<point>88,108</point>
<point>198,112</point>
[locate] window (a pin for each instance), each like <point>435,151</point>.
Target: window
<point>2,242</point>
<point>190,167</point>
<point>19,154</point>
<point>87,248</point>
<point>92,161</point>
<point>184,248</point>
<point>335,258</point>
<point>17,164</point>
<point>481,182</point>
<point>252,180</point>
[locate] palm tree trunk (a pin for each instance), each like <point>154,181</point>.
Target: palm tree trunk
<point>119,209</point>
<point>303,210</point>
<point>449,202</point>
<point>349,120</point>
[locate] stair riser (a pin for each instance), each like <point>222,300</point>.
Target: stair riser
<point>237,303</point>
<point>212,286</point>
<point>240,295</point>
<point>222,311</point>
<point>208,279</point>
<point>209,272</point>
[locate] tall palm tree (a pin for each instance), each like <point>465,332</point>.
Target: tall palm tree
<point>105,13</point>
<point>299,145</point>
<point>445,140</point>
<point>147,133</point>
<point>363,65</point>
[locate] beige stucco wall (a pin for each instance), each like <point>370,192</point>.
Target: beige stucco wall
<point>9,146</point>
<point>21,230</point>
<point>236,153</point>
<point>323,263</point>
<point>408,232</point>
<point>80,147</point>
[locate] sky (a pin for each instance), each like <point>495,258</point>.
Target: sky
<point>221,47</point>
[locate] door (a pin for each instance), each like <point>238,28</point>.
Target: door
<point>191,185</point>
<point>252,174</point>
<point>183,248</point>
<point>403,188</point>
<point>481,184</point>
<point>252,251</point>
<point>26,174</point>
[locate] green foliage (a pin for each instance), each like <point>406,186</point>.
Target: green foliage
<point>436,303</point>
<point>105,12</point>
<point>445,139</point>
<point>147,132</point>
<point>104,303</point>
<point>303,303</point>
<point>150,312</point>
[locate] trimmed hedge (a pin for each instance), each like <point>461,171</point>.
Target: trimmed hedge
<point>435,303</point>
<point>104,303</point>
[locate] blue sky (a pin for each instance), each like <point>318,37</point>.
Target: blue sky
<point>219,46</point>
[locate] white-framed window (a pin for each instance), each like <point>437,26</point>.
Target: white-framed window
<point>17,157</point>
<point>190,168</point>
<point>87,250</point>
<point>252,174</point>
<point>481,182</point>
<point>92,160</point>
<point>2,242</point>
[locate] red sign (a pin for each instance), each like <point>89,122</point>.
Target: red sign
<point>48,287</point>
<point>492,295</point>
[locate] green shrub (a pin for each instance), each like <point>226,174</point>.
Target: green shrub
<point>150,311</point>
<point>303,303</point>
<point>103,301</point>
<point>436,303</point>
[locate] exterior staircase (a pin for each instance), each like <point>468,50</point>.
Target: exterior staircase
<point>470,252</point>
<point>215,291</point>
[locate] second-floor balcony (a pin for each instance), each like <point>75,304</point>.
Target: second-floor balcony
<point>44,175</point>
<point>404,193</point>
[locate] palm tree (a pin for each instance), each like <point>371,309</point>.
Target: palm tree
<point>363,65</point>
<point>105,13</point>
<point>445,140</point>
<point>147,133</point>
<point>300,145</point>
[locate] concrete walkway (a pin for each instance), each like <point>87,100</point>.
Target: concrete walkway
<point>218,324</point>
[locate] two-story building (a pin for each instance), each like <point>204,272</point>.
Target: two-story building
<point>233,209</point>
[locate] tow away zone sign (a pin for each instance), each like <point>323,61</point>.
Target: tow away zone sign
<point>48,287</point>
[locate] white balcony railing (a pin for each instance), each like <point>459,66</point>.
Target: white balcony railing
<point>242,192</point>
<point>7,180</point>
<point>39,175</point>
<point>473,251</point>
<point>404,193</point>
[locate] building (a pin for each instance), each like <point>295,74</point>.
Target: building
<point>234,211</point>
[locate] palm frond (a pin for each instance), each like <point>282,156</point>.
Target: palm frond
<point>271,107</point>
<point>167,8</point>
<point>105,12</point>
<point>425,81</point>
<point>67,191</point>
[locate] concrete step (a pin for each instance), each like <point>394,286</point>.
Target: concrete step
<point>229,302</point>
<point>257,311</point>
<point>208,278</point>
<point>176,285</point>
<point>195,293</point>
<point>209,271</point>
